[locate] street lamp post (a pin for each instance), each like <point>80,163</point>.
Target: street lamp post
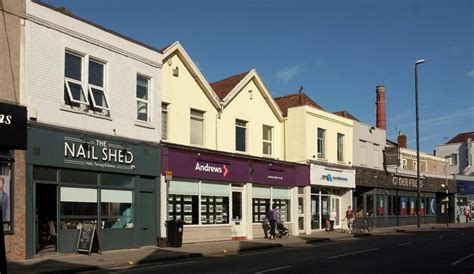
<point>418,62</point>
<point>447,191</point>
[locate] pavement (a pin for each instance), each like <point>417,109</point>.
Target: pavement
<point>132,257</point>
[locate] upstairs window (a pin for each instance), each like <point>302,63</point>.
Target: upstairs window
<point>321,143</point>
<point>240,135</point>
<point>340,147</point>
<point>164,121</point>
<point>143,99</point>
<point>453,159</point>
<point>73,79</point>
<point>267,140</point>
<point>197,127</point>
<point>96,85</point>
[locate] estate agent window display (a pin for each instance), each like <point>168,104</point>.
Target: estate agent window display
<point>6,183</point>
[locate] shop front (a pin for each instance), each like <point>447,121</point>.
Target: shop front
<point>13,142</point>
<point>390,199</point>
<point>222,196</point>
<point>77,178</point>
<point>331,189</point>
<point>465,196</point>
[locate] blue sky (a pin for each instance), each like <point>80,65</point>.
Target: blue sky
<point>338,50</point>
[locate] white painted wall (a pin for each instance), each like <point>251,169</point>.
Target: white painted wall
<point>369,143</point>
<point>48,35</point>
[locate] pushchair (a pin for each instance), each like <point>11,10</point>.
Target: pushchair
<point>281,230</point>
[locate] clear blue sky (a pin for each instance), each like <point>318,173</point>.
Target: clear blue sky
<point>338,50</point>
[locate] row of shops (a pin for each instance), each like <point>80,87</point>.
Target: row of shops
<point>128,189</point>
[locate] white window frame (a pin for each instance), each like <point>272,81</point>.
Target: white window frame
<point>404,164</point>
<point>68,80</point>
<point>321,155</point>
<point>414,165</point>
<point>200,118</point>
<point>340,147</point>
<point>91,86</point>
<point>270,142</point>
<point>147,102</point>
<point>453,160</point>
<point>164,114</point>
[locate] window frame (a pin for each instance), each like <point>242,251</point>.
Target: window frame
<point>102,89</point>
<point>245,134</point>
<point>321,154</point>
<point>196,118</point>
<point>147,101</point>
<point>340,147</point>
<point>268,142</point>
<point>68,80</point>
<point>164,116</point>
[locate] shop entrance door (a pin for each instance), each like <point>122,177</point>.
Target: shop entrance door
<point>147,219</point>
<point>237,218</point>
<point>335,205</point>
<point>301,226</point>
<point>46,224</point>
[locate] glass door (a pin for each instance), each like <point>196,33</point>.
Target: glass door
<point>335,204</point>
<point>315,212</point>
<point>301,213</point>
<point>237,216</point>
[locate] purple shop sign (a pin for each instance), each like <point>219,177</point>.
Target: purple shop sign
<point>204,166</point>
<point>279,175</point>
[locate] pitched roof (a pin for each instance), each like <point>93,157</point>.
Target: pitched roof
<point>295,100</point>
<point>224,86</point>
<point>461,137</point>
<point>346,115</point>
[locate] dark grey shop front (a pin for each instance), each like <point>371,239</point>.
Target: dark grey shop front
<point>391,199</point>
<point>76,178</point>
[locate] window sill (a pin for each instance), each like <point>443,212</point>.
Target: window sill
<point>322,159</point>
<point>143,124</point>
<point>84,112</point>
<point>206,225</point>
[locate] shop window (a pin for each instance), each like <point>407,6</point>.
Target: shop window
<point>359,206</point>
<point>267,140</point>
<point>197,127</point>
<point>403,205</point>
<point>260,208</point>
<point>183,207</point>
<point>370,205</point>
<point>240,135</point>
<point>283,207</point>
<point>412,206</point>
<point>321,143</point>
<point>116,208</point>
<point>396,205</point>
<point>431,206</point>
<point>5,195</point>
<point>390,205</point>
<point>214,210</point>
<point>44,173</point>
<point>78,207</point>
<point>78,177</point>
<point>380,205</point>
<point>143,98</point>
<point>116,180</point>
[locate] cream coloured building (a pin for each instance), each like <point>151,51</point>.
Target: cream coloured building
<point>223,154</point>
<point>324,140</point>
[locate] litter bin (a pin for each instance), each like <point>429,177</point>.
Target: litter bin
<point>174,233</point>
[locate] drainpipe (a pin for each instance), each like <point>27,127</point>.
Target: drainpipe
<point>218,117</point>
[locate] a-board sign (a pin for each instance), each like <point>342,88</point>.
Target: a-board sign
<point>88,240</point>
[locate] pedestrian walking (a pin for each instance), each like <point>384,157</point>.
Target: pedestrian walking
<point>350,216</point>
<point>332,219</point>
<point>271,214</point>
<point>467,213</point>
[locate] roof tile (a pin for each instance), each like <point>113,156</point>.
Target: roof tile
<point>295,100</point>
<point>224,86</point>
<point>346,114</point>
<point>461,137</point>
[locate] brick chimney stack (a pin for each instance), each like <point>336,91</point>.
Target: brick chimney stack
<point>380,107</point>
<point>402,140</point>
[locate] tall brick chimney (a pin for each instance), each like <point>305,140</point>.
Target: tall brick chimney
<point>402,140</point>
<point>380,107</point>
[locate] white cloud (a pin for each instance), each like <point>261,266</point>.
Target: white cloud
<point>470,74</point>
<point>288,73</point>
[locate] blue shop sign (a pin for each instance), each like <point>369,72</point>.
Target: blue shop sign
<point>465,187</point>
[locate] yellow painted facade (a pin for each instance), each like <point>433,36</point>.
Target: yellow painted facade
<point>184,88</point>
<point>301,128</point>
<point>251,102</point>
